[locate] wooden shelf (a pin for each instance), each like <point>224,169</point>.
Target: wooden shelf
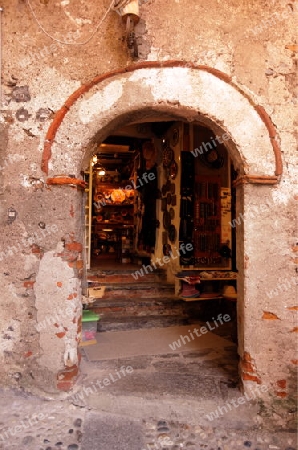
<point>118,205</point>
<point>197,299</point>
<point>120,185</point>
<point>217,279</point>
<point>193,269</point>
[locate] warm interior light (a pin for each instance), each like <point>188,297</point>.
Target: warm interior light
<point>94,159</point>
<point>101,172</point>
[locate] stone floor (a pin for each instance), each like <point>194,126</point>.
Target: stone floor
<point>175,401</point>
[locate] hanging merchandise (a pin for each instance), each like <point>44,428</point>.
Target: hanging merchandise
<point>149,193</point>
<point>172,233</point>
<point>173,170</point>
<point>168,156</point>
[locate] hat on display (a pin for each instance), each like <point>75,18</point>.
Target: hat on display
<point>229,292</point>
<point>189,291</point>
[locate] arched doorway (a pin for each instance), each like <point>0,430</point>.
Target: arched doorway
<point>170,89</point>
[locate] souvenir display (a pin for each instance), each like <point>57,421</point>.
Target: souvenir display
<point>168,155</point>
<point>175,137</point>
<point>212,158</point>
<point>118,196</point>
<point>173,170</point>
<point>166,220</point>
<point>172,233</point>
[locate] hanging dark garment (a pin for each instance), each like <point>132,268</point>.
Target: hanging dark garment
<point>149,194</point>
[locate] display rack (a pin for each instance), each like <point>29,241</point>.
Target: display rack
<point>229,278</point>
<point>113,221</point>
<point>207,221</point>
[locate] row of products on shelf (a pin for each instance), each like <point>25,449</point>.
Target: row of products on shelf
<point>191,286</point>
<point>206,292</point>
<point>109,196</point>
<point>123,216</point>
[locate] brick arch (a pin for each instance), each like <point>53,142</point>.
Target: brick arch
<point>166,86</point>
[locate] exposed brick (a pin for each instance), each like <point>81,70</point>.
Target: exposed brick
<point>293,308</point>
<point>59,283</point>
<point>292,47</point>
<point>29,284</point>
<point>78,264</point>
<point>36,249</point>
<point>28,354</point>
<point>74,247</point>
<point>68,374</point>
<point>70,297</point>
<point>282,384</point>
<point>246,357</point>
<point>247,366</point>
<point>269,316</point>
<point>248,377</point>
<point>65,385</point>
<point>294,361</point>
<point>281,394</point>
<point>60,335</point>
<point>295,330</point>
<point>67,377</point>
<point>248,369</point>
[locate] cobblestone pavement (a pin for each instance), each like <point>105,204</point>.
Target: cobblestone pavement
<point>175,436</point>
<point>30,423</point>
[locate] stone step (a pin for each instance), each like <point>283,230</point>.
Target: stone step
<point>124,302</point>
<point>126,290</point>
<point>125,276</point>
<point>109,312</point>
<point>120,323</point>
<point>143,307</point>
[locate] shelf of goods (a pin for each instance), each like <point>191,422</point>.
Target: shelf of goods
<point>189,279</point>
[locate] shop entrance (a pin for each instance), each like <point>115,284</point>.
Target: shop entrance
<point>162,202</point>
<point>155,186</point>
<point>162,258</point>
<point>174,91</point>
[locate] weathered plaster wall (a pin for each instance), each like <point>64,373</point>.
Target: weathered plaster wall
<point>254,42</point>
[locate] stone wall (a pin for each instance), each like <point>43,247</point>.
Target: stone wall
<point>253,44</point>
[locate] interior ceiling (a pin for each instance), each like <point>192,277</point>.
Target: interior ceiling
<point>121,147</point>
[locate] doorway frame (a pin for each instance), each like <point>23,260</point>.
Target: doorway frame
<point>156,81</point>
